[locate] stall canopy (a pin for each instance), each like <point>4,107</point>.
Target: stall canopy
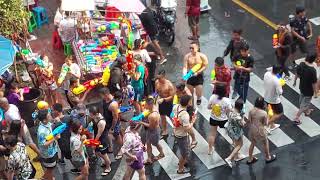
<point>127,5</point>
<point>78,5</point>
<point>7,54</point>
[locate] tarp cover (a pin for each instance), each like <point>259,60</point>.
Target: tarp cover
<point>7,54</point>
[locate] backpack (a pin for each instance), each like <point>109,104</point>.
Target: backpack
<point>175,120</point>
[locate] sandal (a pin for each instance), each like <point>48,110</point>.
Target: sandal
<point>193,144</point>
<point>184,171</point>
<point>118,156</point>
<point>297,122</point>
<point>254,160</point>
<point>273,158</point>
<point>308,114</point>
<point>160,156</point>
<point>106,172</point>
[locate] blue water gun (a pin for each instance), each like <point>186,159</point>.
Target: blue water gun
<point>125,108</point>
<point>39,62</point>
<point>57,131</point>
<point>141,116</point>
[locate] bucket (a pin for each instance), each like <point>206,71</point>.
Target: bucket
<point>29,105</point>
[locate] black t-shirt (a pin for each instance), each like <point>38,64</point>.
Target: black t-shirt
<point>246,62</point>
<point>148,22</point>
<point>299,25</point>
<point>308,76</point>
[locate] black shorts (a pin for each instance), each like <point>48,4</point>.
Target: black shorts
<point>196,80</point>
<point>214,122</point>
<point>116,130</point>
<point>276,108</point>
<point>154,37</point>
<point>302,46</point>
<point>103,149</point>
<point>165,108</point>
<point>50,162</point>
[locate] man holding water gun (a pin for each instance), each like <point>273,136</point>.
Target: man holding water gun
<point>190,60</point>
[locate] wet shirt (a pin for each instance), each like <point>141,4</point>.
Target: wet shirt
<point>19,163</point>
<point>246,62</point>
<point>43,132</point>
<point>299,25</point>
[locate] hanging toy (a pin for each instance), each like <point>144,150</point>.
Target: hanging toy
<point>106,76</point>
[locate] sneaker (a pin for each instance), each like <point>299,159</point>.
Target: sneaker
<point>61,161</point>
<point>229,162</point>
<point>275,127</point>
<point>240,157</point>
<point>75,171</point>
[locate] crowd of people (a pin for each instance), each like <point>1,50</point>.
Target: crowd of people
<point>155,93</point>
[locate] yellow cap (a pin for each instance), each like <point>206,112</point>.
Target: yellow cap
<point>42,105</point>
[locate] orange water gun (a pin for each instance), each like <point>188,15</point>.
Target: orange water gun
<point>92,143</point>
<point>275,40</point>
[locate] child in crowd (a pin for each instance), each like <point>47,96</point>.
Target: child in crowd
<point>78,150</point>
<point>19,165</point>
<point>15,94</point>
<point>48,149</point>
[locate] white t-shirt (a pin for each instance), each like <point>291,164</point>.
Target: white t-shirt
<point>144,55</point>
<point>74,69</point>
<point>12,114</point>
<point>184,119</point>
<point>135,22</point>
<point>219,107</point>
<point>272,88</point>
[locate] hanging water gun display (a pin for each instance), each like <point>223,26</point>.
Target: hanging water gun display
<point>92,143</point>
<point>39,62</point>
<point>191,72</point>
<point>213,75</point>
<point>63,74</point>
<point>56,131</point>
<point>105,76</point>
<point>275,40</point>
<point>270,111</point>
<point>108,27</point>
<point>130,36</point>
<point>141,116</point>
<point>86,86</point>
<point>129,58</point>
<point>281,80</point>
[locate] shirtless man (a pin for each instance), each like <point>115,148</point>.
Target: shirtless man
<point>152,131</point>
<point>166,91</point>
<point>190,60</point>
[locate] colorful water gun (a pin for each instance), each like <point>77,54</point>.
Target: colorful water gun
<point>86,86</point>
<point>39,62</point>
<point>63,74</point>
<point>86,132</point>
<point>175,99</point>
<point>239,63</point>
<point>213,75</point>
<point>191,72</point>
<point>281,80</point>
<point>1,115</point>
<point>92,143</point>
<point>106,76</point>
<point>275,40</point>
<point>56,131</point>
<point>141,116</point>
<point>270,111</point>
<point>130,40</point>
<point>90,47</point>
<point>113,25</point>
<point>129,58</point>
<point>123,109</point>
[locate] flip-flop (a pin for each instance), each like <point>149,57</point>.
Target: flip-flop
<point>164,136</point>
<point>308,114</point>
<point>273,158</point>
<point>106,172</point>
<point>160,156</point>
<point>184,171</point>
<point>297,122</point>
<point>118,156</point>
<point>193,144</point>
<point>254,160</point>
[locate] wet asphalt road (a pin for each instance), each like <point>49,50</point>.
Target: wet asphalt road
<point>297,161</point>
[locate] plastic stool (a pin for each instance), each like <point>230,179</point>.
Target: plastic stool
<point>67,49</point>
<point>41,15</point>
<point>32,24</point>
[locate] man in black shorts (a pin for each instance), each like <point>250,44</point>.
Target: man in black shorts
<point>272,96</point>
<point>110,105</point>
<point>190,60</point>
<point>150,26</point>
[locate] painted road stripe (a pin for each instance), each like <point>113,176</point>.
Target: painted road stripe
<point>201,150</point>
<point>202,109</point>
<point>315,21</point>
<point>278,137</point>
<point>255,13</point>
<point>308,125</point>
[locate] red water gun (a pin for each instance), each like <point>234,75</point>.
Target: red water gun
<point>86,86</point>
<point>92,143</point>
<point>129,58</point>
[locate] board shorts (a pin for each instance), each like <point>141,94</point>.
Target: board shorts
<point>50,162</point>
<point>221,124</point>
<point>153,136</point>
<point>138,164</point>
<point>196,80</point>
<point>183,145</point>
<point>165,108</point>
<point>305,102</point>
<point>104,146</point>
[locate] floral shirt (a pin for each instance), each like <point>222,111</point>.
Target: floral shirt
<point>131,142</point>
<point>19,163</point>
<point>43,132</point>
<point>75,144</point>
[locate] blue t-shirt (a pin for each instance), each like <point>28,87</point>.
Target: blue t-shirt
<point>43,131</point>
<point>138,85</point>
